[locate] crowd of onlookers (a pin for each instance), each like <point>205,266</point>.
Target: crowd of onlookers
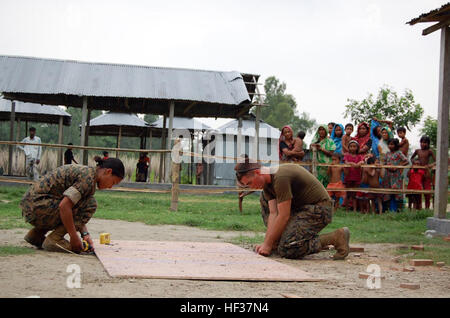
<point>372,144</point>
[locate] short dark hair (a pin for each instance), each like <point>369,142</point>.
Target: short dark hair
<point>348,125</point>
<point>242,168</point>
<point>32,129</point>
<point>371,160</point>
<point>105,153</point>
<point>425,139</point>
<point>301,134</point>
<point>70,144</point>
<point>331,123</point>
<point>396,143</point>
<point>402,129</point>
<point>114,164</point>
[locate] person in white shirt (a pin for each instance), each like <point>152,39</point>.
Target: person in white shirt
<point>32,154</point>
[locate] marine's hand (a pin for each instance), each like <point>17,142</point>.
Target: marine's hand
<point>91,243</point>
<point>75,242</point>
<point>263,249</point>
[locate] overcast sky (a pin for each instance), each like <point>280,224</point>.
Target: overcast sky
<point>325,51</point>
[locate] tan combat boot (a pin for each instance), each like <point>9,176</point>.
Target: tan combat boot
<point>56,238</point>
<point>340,240</point>
<point>35,237</point>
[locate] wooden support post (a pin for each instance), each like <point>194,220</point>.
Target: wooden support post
<point>440,196</point>
<point>60,141</point>
<point>84,112</point>
<point>193,170</point>
<point>175,182</point>
<point>239,139</point>
<point>16,153</point>
<point>150,147</point>
<point>11,136</point>
<point>258,118</point>
<point>25,159</point>
<point>163,154</point>
<point>169,140</point>
<point>119,137</point>
<point>86,141</point>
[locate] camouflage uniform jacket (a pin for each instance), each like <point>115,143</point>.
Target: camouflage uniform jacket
<point>42,200</point>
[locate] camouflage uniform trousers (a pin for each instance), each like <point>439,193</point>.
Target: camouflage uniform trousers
<point>300,237</point>
<point>44,214</point>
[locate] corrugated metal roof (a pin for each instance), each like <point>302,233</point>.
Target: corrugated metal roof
<point>34,112</point>
<point>118,119</point>
<point>248,129</point>
<point>181,123</point>
<point>434,15</point>
<point>49,76</point>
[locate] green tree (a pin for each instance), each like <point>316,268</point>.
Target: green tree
<point>430,128</point>
<point>282,108</point>
<point>401,110</point>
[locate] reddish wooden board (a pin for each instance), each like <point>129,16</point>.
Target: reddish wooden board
<point>193,260</point>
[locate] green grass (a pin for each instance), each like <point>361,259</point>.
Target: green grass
<point>220,212</point>
<point>7,250</point>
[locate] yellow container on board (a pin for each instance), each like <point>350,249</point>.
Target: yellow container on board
<point>105,238</point>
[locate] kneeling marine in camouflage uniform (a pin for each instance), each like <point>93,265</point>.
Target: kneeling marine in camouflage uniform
<point>41,205</point>
<point>310,211</point>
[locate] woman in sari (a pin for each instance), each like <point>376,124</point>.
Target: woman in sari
<point>383,148</point>
<point>325,148</point>
<point>286,144</point>
<point>363,138</point>
<point>336,136</point>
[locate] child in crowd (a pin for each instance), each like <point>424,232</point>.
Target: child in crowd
<point>353,174</point>
<point>335,173</point>
<point>424,154</point>
<point>142,167</point>
<point>415,176</point>
<point>393,178</point>
<point>404,143</point>
<point>346,138</point>
<point>105,155</point>
<point>298,146</point>
<point>330,127</point>
<point>372,177</point>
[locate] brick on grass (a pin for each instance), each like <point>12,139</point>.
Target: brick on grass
<point>410,286</point>
<point>355,249</point>
<point>447,238</point>
<point>440,264</point>
<point>417,247</point>
<point>421,262</point>
<point>409,269</point>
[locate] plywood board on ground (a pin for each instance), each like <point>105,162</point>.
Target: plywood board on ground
<point>193,260</point>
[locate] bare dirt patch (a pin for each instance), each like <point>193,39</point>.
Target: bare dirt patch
<point>44,274</point>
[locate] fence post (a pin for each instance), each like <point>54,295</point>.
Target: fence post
<point>314,162</point>
<point>175,186</point>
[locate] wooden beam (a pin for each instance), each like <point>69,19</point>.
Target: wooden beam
<point>436,27</point>
<point>243,110</point>
<point>60,141</point>
<point>187,109</point>
<point>440,197</point>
